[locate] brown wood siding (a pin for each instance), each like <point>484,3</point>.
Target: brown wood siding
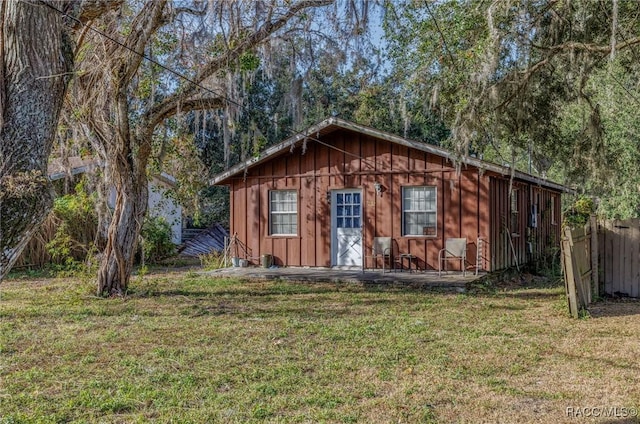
<point>546,236</point>
<point>266,243</point>
<point>254,202</point>
<point>511,246</point>
<point>484,220</point>
<point>469,203</point>
<point>308,218</point>
<point>469,225</point>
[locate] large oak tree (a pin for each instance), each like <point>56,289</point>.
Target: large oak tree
<point>121,98</point>
<point>36,64</point>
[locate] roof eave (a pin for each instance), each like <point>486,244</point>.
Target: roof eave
<point>269,152</point>
<point>221,179</point>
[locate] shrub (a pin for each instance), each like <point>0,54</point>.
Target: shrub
<point>74,222</point>
<point>578,214</point>
<point>156,239</point>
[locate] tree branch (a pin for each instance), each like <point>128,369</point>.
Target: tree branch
<point>524,80</point>
<point>525,75</point>
<point>587,47</point>
<point>92,9</point>
<point>3,87</point>
<point>144,26</point>
<point>261,34</point>
<point>184,106</point>
<point>171,102</point>
<point>188,10</point>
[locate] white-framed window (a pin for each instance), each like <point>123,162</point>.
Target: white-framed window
<point>419,211</point>
<point>283,212</point>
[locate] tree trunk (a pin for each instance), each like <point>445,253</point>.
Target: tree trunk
<point>35,62</point>
<point>122,237</point>
<point>128,173</point>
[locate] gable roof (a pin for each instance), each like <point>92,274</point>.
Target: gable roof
<point>59,168</point>
<point>333,124</point>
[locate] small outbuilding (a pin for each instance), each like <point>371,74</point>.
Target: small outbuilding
<point>161,203</point>
<point>321,197</point>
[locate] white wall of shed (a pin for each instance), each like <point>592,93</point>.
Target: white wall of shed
<point>160,205</point>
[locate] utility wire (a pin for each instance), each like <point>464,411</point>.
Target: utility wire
<point>144,56</point>
<point>197,84</point>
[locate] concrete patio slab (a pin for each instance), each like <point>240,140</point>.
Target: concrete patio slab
<point>426,280</point>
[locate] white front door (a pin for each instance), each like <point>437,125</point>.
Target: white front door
<point>346,227</point>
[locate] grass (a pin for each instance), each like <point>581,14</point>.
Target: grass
<point>188,348</point>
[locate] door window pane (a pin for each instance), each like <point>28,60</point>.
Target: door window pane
<point>348,210</point>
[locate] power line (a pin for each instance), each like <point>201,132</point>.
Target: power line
<point>195,83</point>
<point>144,56</point>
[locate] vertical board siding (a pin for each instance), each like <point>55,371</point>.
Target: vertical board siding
<point>322,224</point>
<point>336,162</point>
<point>266,243</point>
<point>484,222</point>
<point>253,226</point>
<point>634,263</point>
<point>241,229</point>
<point>577,267</point>
<point>527,244</point>
<point>309,206</point>
<point>470,203</point>
<point>619,243</point>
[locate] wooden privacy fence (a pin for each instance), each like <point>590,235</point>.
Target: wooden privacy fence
<point>580,265</point>
<point>620,257</point>
<point>601,259</point>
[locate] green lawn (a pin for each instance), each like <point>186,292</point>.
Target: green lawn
<point>186,348</point>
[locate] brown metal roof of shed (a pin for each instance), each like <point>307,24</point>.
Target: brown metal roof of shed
<point>315,132</point>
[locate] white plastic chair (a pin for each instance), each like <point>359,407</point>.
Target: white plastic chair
<point>455,249</point>
<point>381,249</point>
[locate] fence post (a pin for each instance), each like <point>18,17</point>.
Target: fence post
<point>569,279</point>
<point>595,284</point>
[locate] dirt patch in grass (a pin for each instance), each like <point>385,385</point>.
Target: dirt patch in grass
<point>615,307</point>
<point>187,348</point>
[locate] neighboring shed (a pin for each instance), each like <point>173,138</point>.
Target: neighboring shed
<point>320,198</point>
<point>161,203</point>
